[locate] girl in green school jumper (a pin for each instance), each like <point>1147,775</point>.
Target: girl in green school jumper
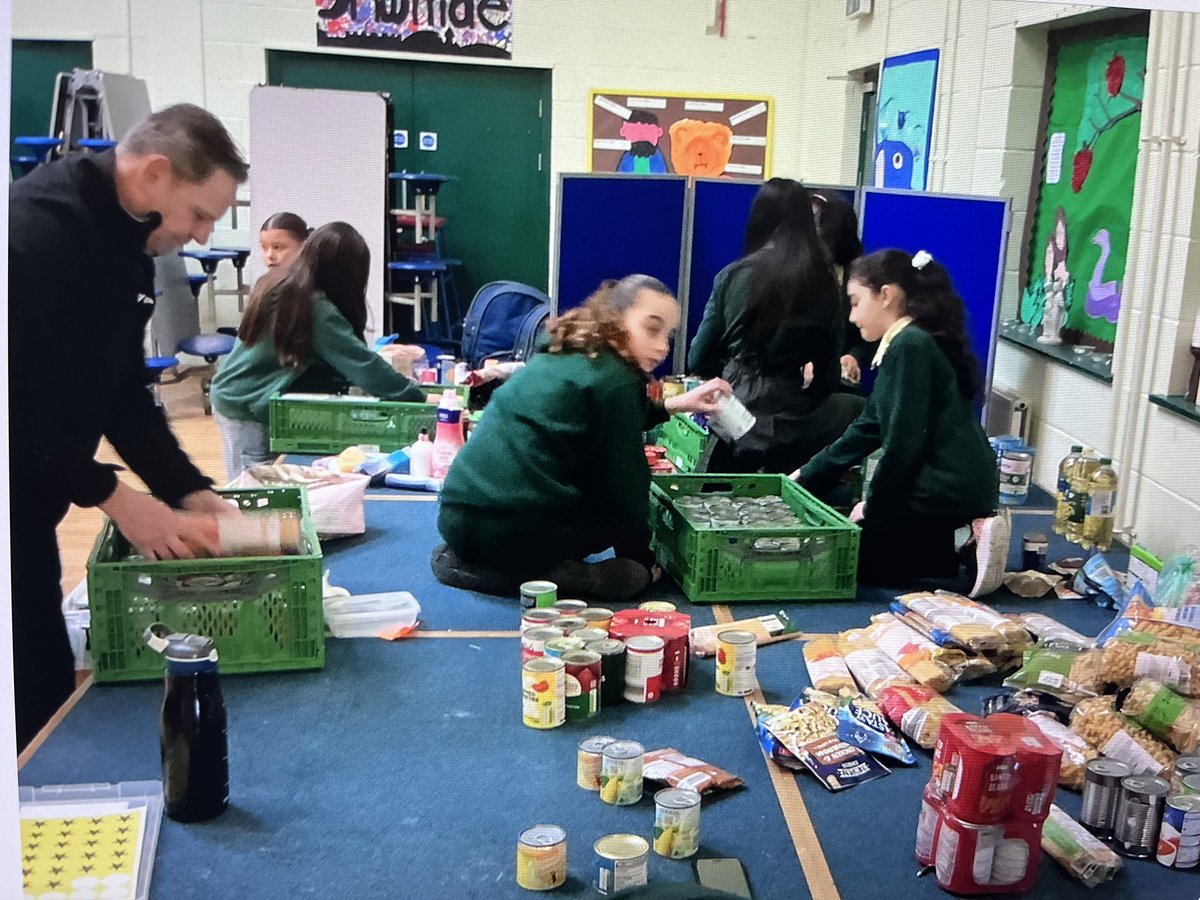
<point>937,472</point>
<point>302,332</point>
<point>555,471</point>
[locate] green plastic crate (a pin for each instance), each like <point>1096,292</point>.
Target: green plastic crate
<point>684,441</point>
<point>264,615</point>
<point>722,566</point>
<point>309,425</point>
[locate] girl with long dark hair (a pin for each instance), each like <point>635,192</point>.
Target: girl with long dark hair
<point>772,328</point>
<point>937,472</point>
<point>303,331</point>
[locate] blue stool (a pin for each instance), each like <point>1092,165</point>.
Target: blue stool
<point>209,260</point>
<point>239,266</point>
<point>210,347</point>
<point>37,151</point>
<point>155,367</point>
<point>96,144</point>
<point>423,213</point>
<point>425,272</point>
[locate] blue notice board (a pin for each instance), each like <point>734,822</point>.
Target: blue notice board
<point>967,235</point>
<point>610,226</point>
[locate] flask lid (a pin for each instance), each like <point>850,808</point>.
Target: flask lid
<point>180,647</point>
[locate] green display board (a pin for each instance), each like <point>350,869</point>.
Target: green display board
<point>1080,235</point>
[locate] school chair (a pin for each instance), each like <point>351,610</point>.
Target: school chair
<point>209,347</point>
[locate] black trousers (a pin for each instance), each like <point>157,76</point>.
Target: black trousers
<point>43,663</point>
<point>903,547</point>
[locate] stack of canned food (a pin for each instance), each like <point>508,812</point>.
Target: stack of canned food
<point>725,511</point>
<point>1144,815</point>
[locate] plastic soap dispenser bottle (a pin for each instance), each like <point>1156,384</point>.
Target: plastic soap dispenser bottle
<point>420,456</point>
<point>449,434</point>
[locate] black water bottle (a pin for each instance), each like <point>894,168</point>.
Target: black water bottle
<point>193,734</point>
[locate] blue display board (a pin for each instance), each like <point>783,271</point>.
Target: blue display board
<point>720,208</point>
<point>610,226</point>
<point>967,235</point>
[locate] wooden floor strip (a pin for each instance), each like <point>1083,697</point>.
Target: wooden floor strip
<point>465,634</point>
<point>49,727</point>
<point>795,813</point>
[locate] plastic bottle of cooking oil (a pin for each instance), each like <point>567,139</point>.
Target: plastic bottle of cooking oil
<point>1078,487</point>
<point>1062,512</point>
<point>1102,498</point>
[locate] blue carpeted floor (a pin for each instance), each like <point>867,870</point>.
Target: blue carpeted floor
<point>403,770</point>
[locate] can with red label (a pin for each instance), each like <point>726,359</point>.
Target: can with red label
<point>674,628</point>
<point>643,668</point>
<point>974,769</point>
<point>1038,762</point>
<point>986,859</point>
<point>533,641</point>
<point>583,684</point>
<point>927,826</point>
<point>1179,835</point>
<point>538,618</point>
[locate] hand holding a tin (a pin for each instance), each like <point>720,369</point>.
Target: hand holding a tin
<point>158,532</point>
<point>702,399</point>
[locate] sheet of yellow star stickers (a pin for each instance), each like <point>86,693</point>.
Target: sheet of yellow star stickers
<point>85,851</point>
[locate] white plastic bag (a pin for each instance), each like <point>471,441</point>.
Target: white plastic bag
<point>335,499</point>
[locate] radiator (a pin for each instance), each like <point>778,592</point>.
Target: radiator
<point>1007,414</point>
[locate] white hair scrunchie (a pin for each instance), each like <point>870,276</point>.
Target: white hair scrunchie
<point>921,259</point>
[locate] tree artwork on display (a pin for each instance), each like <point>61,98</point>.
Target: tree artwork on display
<point>1079,240</point>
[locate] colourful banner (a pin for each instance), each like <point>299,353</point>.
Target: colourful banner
<point>479,28</point>
<point>904,121</point>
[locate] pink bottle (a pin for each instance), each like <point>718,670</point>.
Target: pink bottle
<point>449,439</point>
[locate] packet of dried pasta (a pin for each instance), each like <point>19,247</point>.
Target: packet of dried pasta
<point>873,669</point>
<point>826,669</point>
<point>1061,669</point>
<point>1163,713</point>
<point>1097,721</point>
<point>1077,850</point>
<point>1076,752</point>
<point>916,711</point>
<point>920,657</point>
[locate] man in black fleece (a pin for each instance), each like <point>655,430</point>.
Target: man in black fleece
<point>82,231</point>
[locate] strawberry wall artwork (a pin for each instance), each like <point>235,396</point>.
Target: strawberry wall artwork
<point>1079,238</point>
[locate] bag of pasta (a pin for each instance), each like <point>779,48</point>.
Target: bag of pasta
<point>1138,653</point>
<point>1061,669</point>
<point>975,625</point>
<point>1163,713</point>
<point>1097,721</point>
<point>920,657</point>
<point>916,711</point>
<point>873,669</point>
<point>1076,752</point>
<point>826,669</point>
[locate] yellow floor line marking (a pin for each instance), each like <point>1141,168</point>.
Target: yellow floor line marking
<point>54,722</point>
<point>465,634</point>
<point>795,813</point>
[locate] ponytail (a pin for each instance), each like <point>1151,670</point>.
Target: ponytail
<point>931,301</point>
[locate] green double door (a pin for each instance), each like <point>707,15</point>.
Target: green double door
<point>493,137</point>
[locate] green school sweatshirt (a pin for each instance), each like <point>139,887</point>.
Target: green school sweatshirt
<point>936,457</point>
<point>249,376</point>
<point>562,438</point>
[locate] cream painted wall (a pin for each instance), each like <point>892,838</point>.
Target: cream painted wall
<point>799,52</point>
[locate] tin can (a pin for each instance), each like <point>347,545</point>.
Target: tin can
<point>538,594</point>
<point>570,607</point>
<point>657,606</point>
<point>1034,547</point>
<point>731,420</point>
<point>676,823</point>
<point>1179,836</point>
<point>588,761</point>
<point>537,618</point>
<point>672,386</point>
<point>622,861</point>
<point>543,693</point>
<point>561,646</point>
<point>621,773</point>
<point>674,628</point>
<point>612,671</point>
<point>582,684</point>
<point>1038,764</point>
<point>927,827</point>
<point>445,369</point>
<point>737,652</point>
<point>1004,442</point>
<point>1139,811</point>
<point>1190,785</point>
<point>542,858</point>
<point>1184,766</point>
<point>597,617</point>
<point>974,769</point>
<point>1015,468</point>
<point>589,635</point>
<point>533,641</point>
<point>691,382</point>
<point>971,858</point>
<point>643,668</point>
<point>569,623</point>
<point>1101,790</point>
